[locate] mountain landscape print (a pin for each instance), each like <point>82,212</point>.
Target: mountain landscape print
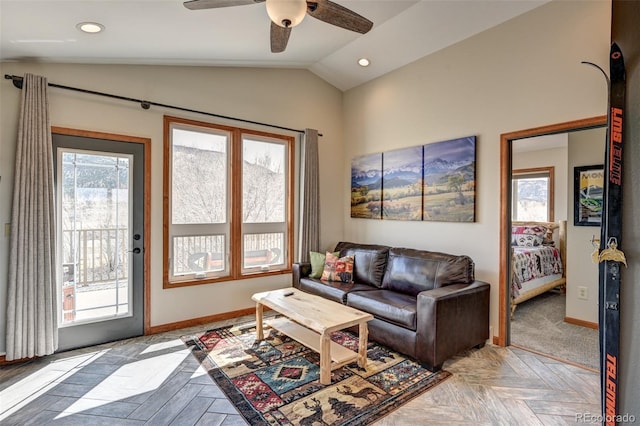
<point>366,186</point>
<point>449,180</point>
<point>431,182</point>
<point>402,184</point>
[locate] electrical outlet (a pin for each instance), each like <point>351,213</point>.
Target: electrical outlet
<point>583,293</point>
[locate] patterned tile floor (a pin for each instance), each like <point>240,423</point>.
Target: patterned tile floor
<point>154,380</point>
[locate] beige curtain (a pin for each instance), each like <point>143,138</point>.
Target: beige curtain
<point>310,193</point>
<point>32,328</point>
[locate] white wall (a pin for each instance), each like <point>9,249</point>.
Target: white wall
<point>290,98</point>
<point>522,74</point>
<point>586,148</point>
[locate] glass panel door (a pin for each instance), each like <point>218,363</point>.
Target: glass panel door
<point>101,202</point>
<point>95,218</point>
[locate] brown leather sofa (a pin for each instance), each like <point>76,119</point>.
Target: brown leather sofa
<point>425,304</point>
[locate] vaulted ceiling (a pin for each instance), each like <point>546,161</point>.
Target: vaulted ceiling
<point>164,32</point>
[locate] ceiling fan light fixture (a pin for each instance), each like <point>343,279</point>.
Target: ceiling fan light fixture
<point>287,13</point>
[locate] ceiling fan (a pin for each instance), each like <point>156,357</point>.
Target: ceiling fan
<point>286,14</point>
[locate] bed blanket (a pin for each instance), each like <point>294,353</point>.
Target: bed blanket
<point>530,263</point>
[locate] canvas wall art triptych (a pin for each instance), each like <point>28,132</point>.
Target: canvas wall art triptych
<point>432,182</point>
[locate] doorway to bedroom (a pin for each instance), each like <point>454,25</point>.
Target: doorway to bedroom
<point>548,285</point>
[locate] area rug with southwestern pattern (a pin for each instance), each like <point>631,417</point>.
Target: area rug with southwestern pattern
<point>276,381</point>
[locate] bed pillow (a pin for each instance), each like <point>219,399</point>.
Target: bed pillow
<point>338,268</point>
<point>528,236</point>
<point>317,263</point>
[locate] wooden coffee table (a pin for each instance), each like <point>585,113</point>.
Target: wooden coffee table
<point>310,320</point>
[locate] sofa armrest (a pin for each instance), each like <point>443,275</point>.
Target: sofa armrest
<point>456,290</point>
<point>451,319</point>
<point>300,270</point>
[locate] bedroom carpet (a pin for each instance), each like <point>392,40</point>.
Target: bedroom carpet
<point>539,325</point>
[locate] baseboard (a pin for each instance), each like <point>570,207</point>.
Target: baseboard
<point>199,321</point>
<point>581,323</point>
<point>3,360</point>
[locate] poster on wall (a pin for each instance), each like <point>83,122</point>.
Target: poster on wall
<point>588,189</point>
<point>366,186</point>
<point>402,184</point>
<point>450,180</point>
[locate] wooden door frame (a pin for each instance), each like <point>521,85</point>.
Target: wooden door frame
<point>505,207</point>
<point>147,204</point>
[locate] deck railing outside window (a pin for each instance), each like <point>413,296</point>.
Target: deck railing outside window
<point>95,255</point>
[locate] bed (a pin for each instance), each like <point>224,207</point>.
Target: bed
<point>538,253</point>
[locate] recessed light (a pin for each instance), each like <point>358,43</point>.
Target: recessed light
<point>90,27</point>
<point>363,62</point>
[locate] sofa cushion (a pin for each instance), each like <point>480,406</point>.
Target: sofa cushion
<point>317,263</point>
<point>369,261</point>
<point>397,308</point>
<point>411,271</point>
<point>337,269</point>
<point>332,290</point>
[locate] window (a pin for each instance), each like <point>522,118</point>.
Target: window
<point>228,203</point>
<point>532,195</point>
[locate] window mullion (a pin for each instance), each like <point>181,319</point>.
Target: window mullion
<point>255,228</point>
<point>181,230</point>
<point>290,202</point>
<point>235,249</point>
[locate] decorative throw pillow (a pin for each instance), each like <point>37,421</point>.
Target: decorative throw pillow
<point>317,263</point>
<point>528,236</point>
<point>338,269</point>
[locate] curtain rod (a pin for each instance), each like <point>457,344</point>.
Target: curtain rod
<point>17,82</point>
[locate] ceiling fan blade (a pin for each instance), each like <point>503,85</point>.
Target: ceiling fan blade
<point>340,16</point>
<point>279,38</point>
<point>212,4</point>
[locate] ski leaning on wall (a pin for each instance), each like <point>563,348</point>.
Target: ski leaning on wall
<point>611,258</point>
